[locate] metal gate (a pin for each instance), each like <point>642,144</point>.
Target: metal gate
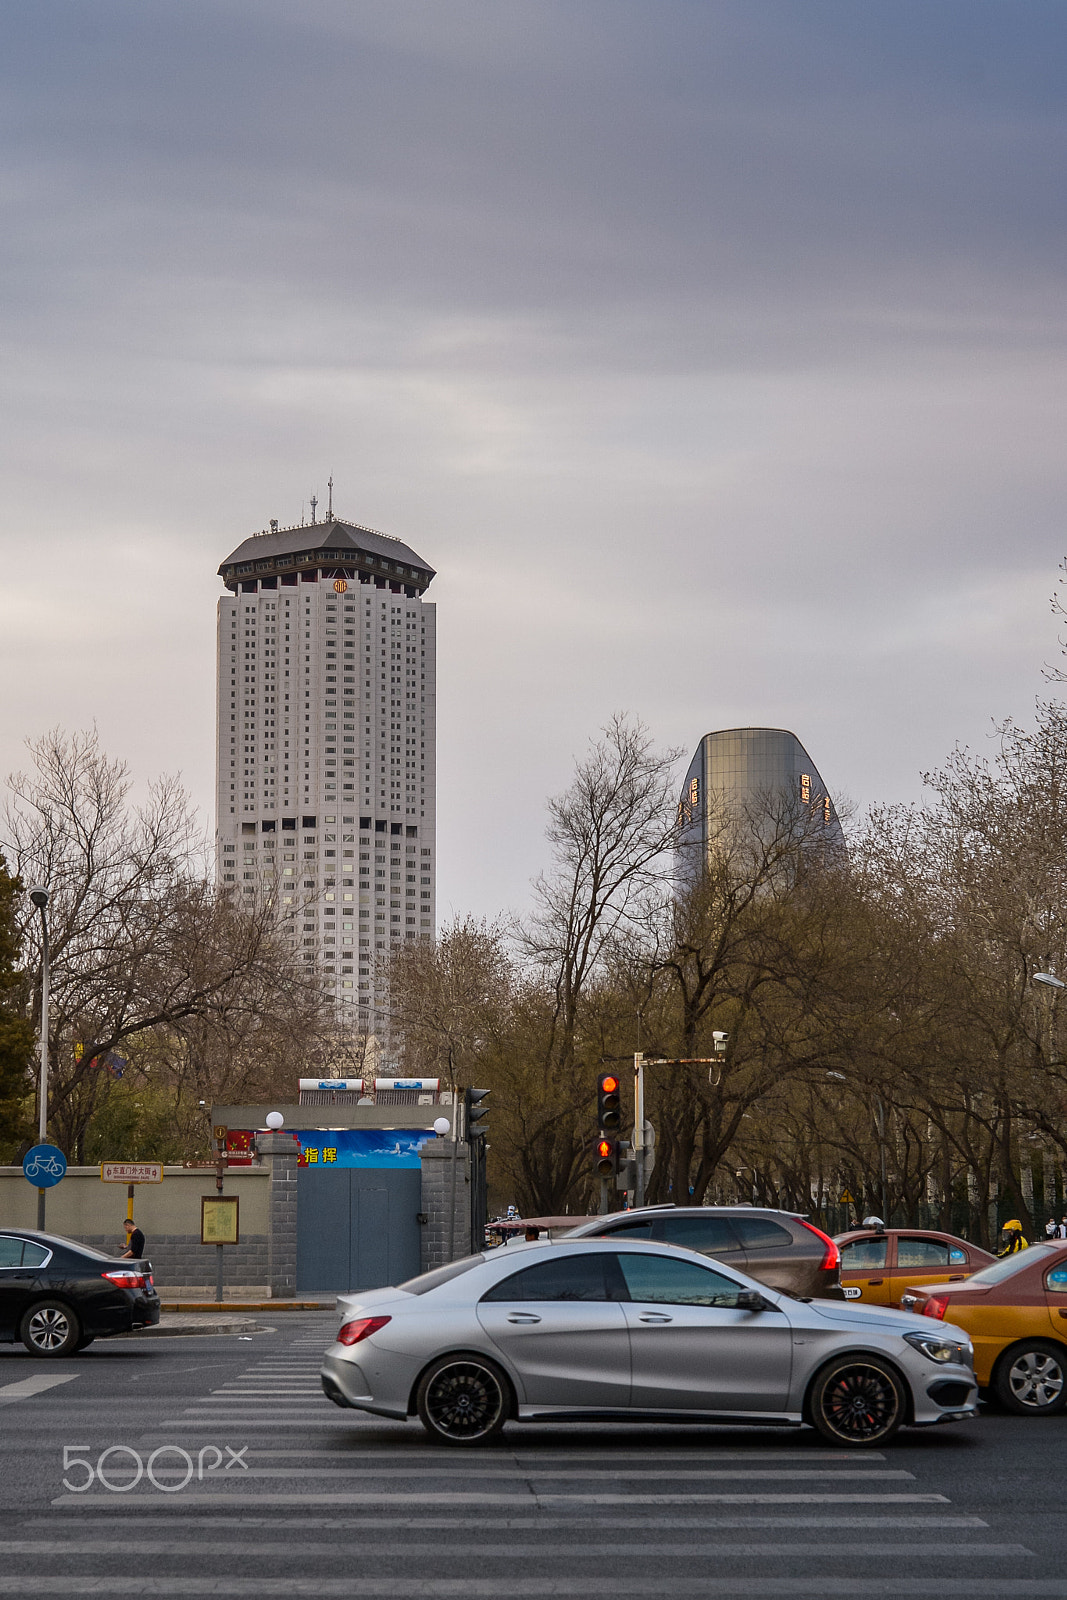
<point>356,1228</point>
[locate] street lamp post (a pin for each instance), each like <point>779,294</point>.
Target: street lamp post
<point>39,896</point>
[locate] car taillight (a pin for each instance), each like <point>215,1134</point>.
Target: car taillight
<point>353,1332</point>
<point>832,1259</point>
<point>936,1306</point>
<point>125,1280</point>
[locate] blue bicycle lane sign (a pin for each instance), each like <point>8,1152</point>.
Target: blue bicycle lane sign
<point>44,1165</point>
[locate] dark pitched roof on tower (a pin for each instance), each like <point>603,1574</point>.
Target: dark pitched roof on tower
<point>330,543</point>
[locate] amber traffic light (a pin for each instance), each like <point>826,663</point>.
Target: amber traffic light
<point>607,1158</point>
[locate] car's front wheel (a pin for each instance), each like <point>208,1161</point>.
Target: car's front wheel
<point>857,1400</point>
<point>1032,1379</point>
<point>462,1399</point>
<point>50,1329</point>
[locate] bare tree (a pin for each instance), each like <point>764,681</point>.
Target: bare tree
<point>140,942</point>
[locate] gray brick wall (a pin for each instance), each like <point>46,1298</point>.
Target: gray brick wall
<point>180,1260</point>
<point>436,1195</point>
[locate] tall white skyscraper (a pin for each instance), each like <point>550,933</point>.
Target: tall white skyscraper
<point>326,789</point>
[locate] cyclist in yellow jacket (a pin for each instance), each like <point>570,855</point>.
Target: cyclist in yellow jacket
<point>1012,1233</point>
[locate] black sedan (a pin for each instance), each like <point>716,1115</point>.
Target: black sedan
<point>58,1296</point>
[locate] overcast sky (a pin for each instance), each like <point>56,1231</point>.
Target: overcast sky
<point>711,350</point>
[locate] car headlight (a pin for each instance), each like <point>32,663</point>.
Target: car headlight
<point>942,1350</point>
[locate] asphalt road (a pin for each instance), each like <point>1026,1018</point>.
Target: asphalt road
<point>262,1488</point>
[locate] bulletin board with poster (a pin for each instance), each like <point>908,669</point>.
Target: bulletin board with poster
<point>219,1219</point>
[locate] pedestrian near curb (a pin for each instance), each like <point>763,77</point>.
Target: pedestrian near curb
<point>134,1242</point>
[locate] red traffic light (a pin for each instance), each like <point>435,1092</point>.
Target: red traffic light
<point>609,1084</point>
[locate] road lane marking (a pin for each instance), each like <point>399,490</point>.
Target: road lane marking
<point>416,1588</point>
<point>161,1515</point>
<point>553,1501</point>
<point>432,1549</point>
<point>473,1471</point>
<point>661,1458</point>
<point>27,1387</point>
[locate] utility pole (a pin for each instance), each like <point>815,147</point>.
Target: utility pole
<point>639,1128</point>
<point>39,897</point>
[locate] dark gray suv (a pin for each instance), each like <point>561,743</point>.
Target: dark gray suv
<point>777,1248</point>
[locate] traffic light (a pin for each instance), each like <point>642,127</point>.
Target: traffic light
<point>607,1157</point>
<point>476,1112</point>
<point>608,1104</point>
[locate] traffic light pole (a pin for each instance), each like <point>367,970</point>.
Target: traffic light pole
<point>639,1128</point>
<point>639,1104</point>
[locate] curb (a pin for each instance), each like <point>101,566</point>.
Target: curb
<point>216,1325</point>
<point>222,1307</point>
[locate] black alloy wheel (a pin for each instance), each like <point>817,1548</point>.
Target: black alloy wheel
<point>462,1400</point>
<point>857,1401</point>
<point>50,1329</point>
<point>1031,1380</point>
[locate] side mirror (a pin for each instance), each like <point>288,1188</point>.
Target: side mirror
<point>752,1300</point>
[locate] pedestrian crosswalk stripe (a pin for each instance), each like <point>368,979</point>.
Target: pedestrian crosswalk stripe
<point>368,1548</point>
<point>822,1587</point>
<point>460,1498</point>
<point>26,1388</point>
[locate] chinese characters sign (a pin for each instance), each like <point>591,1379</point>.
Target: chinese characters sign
<point>361,1147</point>
<point>218,1219</point>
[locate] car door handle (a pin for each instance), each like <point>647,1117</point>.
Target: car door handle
<point>875,1283</point>
<point>523,1316</point>
<point>957,1277</point>
<point>1063,1311</point>
<point>654,1316</point>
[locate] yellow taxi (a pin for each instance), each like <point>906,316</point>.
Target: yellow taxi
<point>1016,1314</point>
<point>879,1263</point>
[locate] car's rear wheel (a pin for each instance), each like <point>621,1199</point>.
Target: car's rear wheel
<point>462,1400</point>
<point>50,1329</point>
<point>1031,1380</point>
<point>858,1401</point>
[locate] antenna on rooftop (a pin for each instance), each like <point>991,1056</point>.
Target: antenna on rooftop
<point>314,503</point>
<point>329,504</point>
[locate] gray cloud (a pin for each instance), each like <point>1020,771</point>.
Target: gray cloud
<point>713,353</point>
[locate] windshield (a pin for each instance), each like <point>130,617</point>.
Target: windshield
<point>1008,1266</point>
<point>433,1280</point>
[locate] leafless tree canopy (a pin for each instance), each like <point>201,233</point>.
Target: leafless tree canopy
<point>152,969</point>
<point>880,1005</point>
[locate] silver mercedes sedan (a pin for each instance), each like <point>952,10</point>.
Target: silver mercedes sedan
<point>593,1330</point>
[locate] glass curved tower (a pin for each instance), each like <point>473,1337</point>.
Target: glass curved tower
<point>756,777</point>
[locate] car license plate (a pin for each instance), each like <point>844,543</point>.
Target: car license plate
<point>852,1294</point>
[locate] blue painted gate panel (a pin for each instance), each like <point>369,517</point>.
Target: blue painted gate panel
<point>356,1227</point>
